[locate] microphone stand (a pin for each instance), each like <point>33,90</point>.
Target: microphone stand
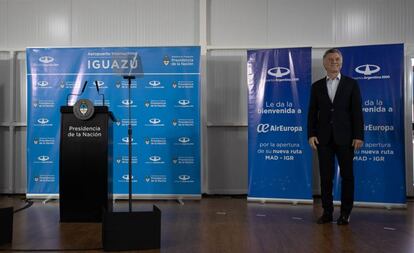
<point>129,78</point>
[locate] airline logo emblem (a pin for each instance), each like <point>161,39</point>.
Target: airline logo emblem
<point>184,177</point>
<point>154,121</point>
<point>154,83</point>
<point>126,139</point>
<point>43,121</point>
<point>126,177</point>
<point>278,72</point>
<point>46,59</point>
<point>43,158</point>
<point>184,102</point>
<point>42,83</point>
<point>183,139</point>
<point>127,102</point>
<point>155,158</point>
<point>367,69</point>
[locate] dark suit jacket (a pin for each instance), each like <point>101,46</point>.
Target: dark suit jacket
<point>342,119</point>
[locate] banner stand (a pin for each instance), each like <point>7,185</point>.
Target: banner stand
<point>285,201</point>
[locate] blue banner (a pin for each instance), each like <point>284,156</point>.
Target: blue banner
<point>280,162</point>
<point>379,166</point>
<point>165,114</point>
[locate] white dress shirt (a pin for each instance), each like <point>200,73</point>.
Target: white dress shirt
<point>332,85</point>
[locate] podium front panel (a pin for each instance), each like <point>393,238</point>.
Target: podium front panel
<point>85,162</point>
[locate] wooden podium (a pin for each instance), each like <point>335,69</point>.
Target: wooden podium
<point>85,165</point>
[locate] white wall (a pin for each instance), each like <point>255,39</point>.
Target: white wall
<point>231,27</point>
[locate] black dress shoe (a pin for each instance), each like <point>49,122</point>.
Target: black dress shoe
<point>325,218</point>
<point>343,220</point>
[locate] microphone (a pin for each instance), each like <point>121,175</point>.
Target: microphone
<point>97,86</point>
<point>84,86</point>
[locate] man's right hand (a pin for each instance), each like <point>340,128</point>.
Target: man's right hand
<point>313,141</point>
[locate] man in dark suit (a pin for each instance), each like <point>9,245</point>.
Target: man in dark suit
<point>335,128</point>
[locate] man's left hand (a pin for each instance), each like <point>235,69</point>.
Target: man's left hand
<point>357,144</point>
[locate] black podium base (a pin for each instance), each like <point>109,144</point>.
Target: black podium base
<point>6,225</point>
<point>136,230</point>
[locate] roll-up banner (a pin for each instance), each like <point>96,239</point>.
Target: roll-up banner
<point>164,110</point>
<point>280,162</point>
<point>379,166</point>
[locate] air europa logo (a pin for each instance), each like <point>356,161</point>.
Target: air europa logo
<point>265,128</point>
<point>278,71</point>
<point>367,69</point>
<point>46,59</point>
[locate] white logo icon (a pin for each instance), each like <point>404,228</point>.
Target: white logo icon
<point>46,59</point>
<point>183,139</point>
<point>367,69</point>
<point>43,121</point>
<point>126,177</point>
<point>278,71</point>
<point>42,83</point>
<point>184,102</point>
<point>126,139</point>
<point>127,102</point>
<point>154,83</point>
<point>100,83</point>
<point>155,158</point>
<point>263,128</point>
<point>43,158</point>
<point>184,177</point>
<point>154,121</point>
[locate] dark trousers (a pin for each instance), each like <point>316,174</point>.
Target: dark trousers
<point>344,155</point>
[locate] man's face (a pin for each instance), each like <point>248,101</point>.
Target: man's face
<point>332,63</point>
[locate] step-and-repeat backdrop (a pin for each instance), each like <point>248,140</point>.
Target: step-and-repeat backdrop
<point>164,114</point>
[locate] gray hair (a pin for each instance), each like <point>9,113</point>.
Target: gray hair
<point>332,51</point>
